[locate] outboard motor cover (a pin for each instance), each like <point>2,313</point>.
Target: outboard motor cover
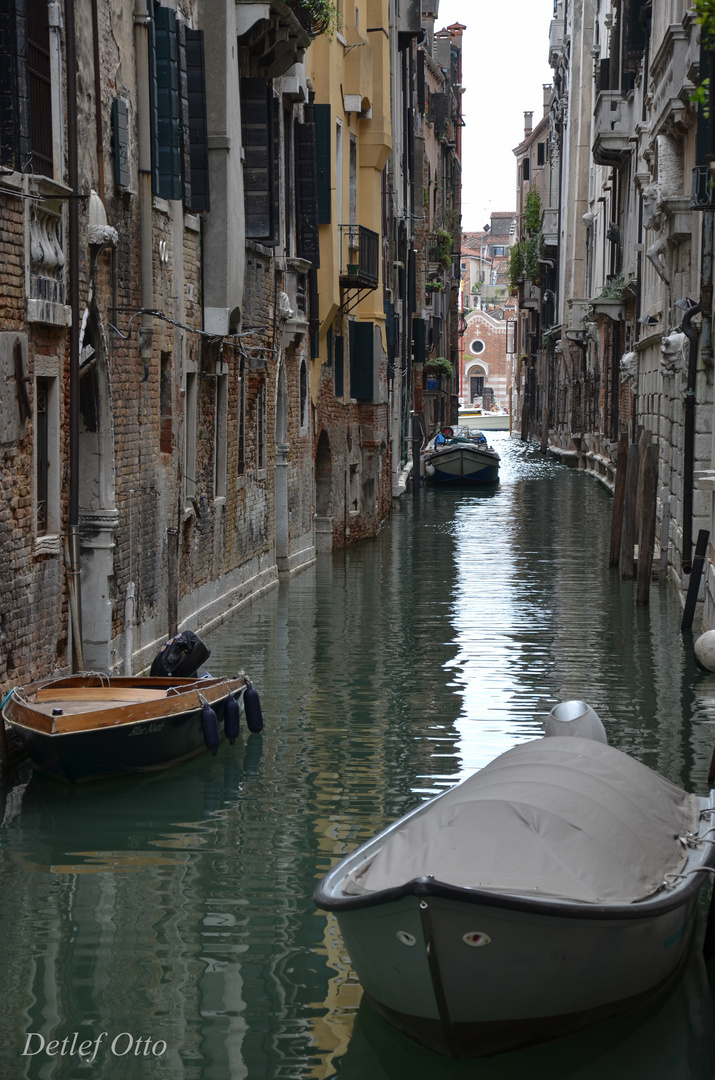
<point>182,656</point>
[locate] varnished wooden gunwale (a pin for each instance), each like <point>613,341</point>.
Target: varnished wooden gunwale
<point>104,714</point>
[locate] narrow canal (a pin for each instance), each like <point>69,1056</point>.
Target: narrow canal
<point>173,912</point>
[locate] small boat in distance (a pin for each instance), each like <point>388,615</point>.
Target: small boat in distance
<point>489,420</point>
<point>550,891</point>
<point>92,726</point>
<point>460,456</point>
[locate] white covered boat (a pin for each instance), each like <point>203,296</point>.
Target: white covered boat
<point>460,456</point>
<point>554,889</point>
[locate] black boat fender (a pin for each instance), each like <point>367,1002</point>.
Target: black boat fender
<point>252,707</point>
<point>209,723</point>
<point>231,718</point>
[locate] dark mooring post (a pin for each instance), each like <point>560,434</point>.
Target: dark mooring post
<point>646,537</point>
<point>626,561</point>
<point>416,478</point>
<point>545,433</point>
<point>695,575</point>
<point>619,492</point>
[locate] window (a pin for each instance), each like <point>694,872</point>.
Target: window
<point>166,434</point>
<point>178,102</point>
<point>190,444</point>
<point>47,456</point>
<point>498,250</point>
<point>477,347</point>
<point>339,365</point>
<point>261,428</point>
<point>362,361</point>
<point>26,135</point>
<point>260,129</point>
<point>306,188</point>
<point>323,162</point>
<point>241,440</point>
<point>541,153</point>
<point>221,436</point>
<point>526,169</point>
<point>39,86</point>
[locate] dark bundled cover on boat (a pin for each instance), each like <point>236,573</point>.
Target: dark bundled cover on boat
<point>182,656</point>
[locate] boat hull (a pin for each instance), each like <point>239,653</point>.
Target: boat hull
<point>119,740</point>
<point>464,463</point>
<point>534,978</point>
<point>485,421</point>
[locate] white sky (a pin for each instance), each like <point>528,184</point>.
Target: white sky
<point>505,62</point>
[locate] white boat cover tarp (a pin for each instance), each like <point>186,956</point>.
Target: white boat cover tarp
<point>561,817</point>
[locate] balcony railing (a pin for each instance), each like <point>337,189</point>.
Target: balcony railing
<point>703,189</point>
<point>359,257</point>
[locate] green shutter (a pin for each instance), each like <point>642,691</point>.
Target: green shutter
<point>362,360</point>
<point>339,365</point>
<point>306,189</point>
<point>419,333</point>
<point>120,125</point>
<point>168,106</point>
<point>258,166</point>
<point>323,162</point>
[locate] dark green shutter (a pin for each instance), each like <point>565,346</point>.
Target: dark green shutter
<point>258,148</point>
<point>198,126</point>
<point>419,333</point>
<point>362,357</point>
<point>306,189</point>
<point>120,126</point>
<point>168,108</point>
<point>339,365</point>
<point>183,113</point>
<point>323,161</point>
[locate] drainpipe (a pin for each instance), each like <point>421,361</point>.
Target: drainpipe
<point>141,39</point>
<point>73,554</point>
<point>689,428</point>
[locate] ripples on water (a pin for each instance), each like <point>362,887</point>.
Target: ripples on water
<point>177,906</point>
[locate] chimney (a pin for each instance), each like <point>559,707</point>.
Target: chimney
<point>547,98</point>
<point>528,118</point>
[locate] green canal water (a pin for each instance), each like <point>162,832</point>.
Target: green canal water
<point>173,912</point>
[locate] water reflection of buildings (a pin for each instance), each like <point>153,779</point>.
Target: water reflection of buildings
<point>120,932</point>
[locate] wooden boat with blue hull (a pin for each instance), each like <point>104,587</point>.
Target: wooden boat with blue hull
<point>460,456</point>
<point>93,726</point>
<point>552,890</point>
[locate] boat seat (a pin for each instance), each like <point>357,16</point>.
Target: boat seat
<point>99,693</point>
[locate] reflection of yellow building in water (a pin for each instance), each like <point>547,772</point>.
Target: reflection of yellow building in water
<point>349,73</point>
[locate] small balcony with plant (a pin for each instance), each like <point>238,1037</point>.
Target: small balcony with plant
<point>359,257</point>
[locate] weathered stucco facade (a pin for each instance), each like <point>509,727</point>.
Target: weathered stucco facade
<point>620,334</point>
<point>206,328</point>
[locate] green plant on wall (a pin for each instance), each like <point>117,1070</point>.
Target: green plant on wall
<point>440,365</point>
<point>445,242</point>
<point>524,255</point>
<point>613,289</point>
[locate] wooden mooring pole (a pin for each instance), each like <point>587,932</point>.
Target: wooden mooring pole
<point>626,559</point>
<point>619,493</point>
<point>695,575</point>
<point>646,536</point>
